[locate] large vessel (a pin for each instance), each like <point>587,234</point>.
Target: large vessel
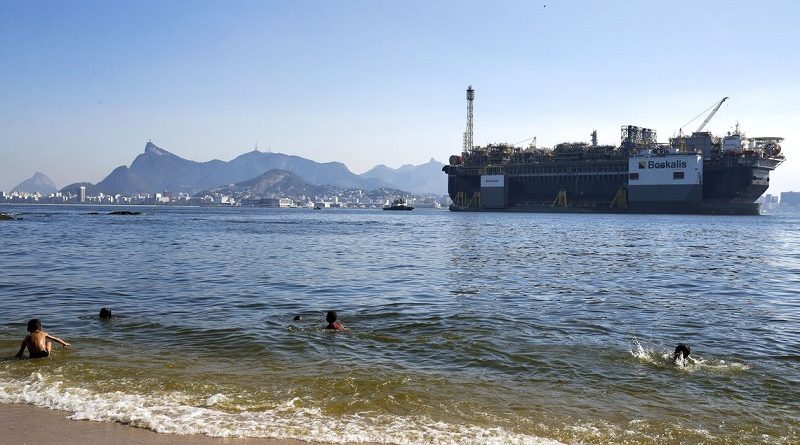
<point>697,173</point>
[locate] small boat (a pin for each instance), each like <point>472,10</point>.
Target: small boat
<point>398,204</point>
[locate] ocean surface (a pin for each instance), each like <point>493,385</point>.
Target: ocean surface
<point>463,328</point>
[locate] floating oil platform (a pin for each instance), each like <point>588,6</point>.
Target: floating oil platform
<point>697,173</point>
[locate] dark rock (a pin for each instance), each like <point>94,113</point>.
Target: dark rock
<point>124,213</point>
<point>4,217</point>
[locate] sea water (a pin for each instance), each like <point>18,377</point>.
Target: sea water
<point>464,328</point>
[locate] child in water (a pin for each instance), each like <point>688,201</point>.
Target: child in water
<point>38,341</point>
<point>332,323</point>
<point>681,355</point>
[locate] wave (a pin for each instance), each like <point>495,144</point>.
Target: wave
<point>218,415</point>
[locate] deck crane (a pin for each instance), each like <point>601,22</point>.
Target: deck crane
<point>711,114</point>
<point>708,118</point>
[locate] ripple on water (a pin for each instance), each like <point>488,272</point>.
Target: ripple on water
<point>463,328</point>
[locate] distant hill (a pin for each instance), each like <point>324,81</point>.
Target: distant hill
<point>274,183</point>
<point>282,183</point>
<point>158,170</point>
<point>75,189</point>
<point>38,183</point>
<point>424,178</point>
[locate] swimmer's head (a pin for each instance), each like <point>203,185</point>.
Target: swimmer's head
<point>331,317</point>
<point>297,318</point>
<point>105,313</point>
<point>681,353</point>
<point>34,325</point>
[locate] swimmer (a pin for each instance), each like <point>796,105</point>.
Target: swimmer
<point>297,318</point>
<point>105,313</point>
<point>38,342</point>
<point>681,355</point>
<point>333,323</point>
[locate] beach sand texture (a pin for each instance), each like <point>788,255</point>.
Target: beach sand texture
<point>30,425</point>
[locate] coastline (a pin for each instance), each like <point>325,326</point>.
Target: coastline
<point>32,425</point>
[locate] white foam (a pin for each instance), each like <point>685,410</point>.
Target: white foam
<point>173,412</point>
<point>216,398</point>
<point>693,364</point>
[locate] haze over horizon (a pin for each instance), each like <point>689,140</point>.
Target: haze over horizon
<point>86,84</point>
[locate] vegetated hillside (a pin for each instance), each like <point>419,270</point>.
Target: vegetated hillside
<point>282,183</point>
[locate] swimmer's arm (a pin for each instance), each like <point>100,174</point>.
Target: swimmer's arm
<point>57,340</point>
<point>21,349</point>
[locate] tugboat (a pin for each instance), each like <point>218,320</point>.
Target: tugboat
<point>398,204</point>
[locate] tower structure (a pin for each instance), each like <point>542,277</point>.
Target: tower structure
<point>468,142</point>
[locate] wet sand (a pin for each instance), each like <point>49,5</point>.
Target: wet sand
<point>30,425</point>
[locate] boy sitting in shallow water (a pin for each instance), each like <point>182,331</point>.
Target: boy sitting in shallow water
<point>38,341</point>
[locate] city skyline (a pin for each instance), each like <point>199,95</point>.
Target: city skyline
<point>378,83</point>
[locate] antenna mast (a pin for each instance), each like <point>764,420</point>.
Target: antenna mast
<point>468,141</point>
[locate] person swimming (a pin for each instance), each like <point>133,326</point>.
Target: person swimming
<point>681,355</point>
<point>333,323</point>
<point>105,313</point>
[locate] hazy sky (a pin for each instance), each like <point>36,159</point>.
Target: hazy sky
<point>84,85</point>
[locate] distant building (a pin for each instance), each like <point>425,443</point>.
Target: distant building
<point>769,203</point>
<point>277,202</point>
<point>790,201</point>
<point>83,194</point>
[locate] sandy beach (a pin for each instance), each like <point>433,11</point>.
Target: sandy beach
<point>30,425</point>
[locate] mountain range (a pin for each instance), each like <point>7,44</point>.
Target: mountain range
<point>157,170</point>
<point>424,178</point>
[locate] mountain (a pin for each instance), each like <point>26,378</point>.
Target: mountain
<point>158,170</point>
<point>274,183</point>
<point>38,183</point>
<point>278,183</point>
<point>424,178</point>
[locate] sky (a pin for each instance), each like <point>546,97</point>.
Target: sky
<point>85,84</point>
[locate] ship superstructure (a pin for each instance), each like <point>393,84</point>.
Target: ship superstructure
<point>697,173</point>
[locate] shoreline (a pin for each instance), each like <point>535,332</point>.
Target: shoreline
<point>27,425</point>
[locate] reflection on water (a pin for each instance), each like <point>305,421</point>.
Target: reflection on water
<point>464,328</point>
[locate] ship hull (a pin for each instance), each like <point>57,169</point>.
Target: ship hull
<point>708,208</point>
<point>729,187</point>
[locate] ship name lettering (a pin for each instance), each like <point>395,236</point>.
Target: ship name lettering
<point>666,164</point>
